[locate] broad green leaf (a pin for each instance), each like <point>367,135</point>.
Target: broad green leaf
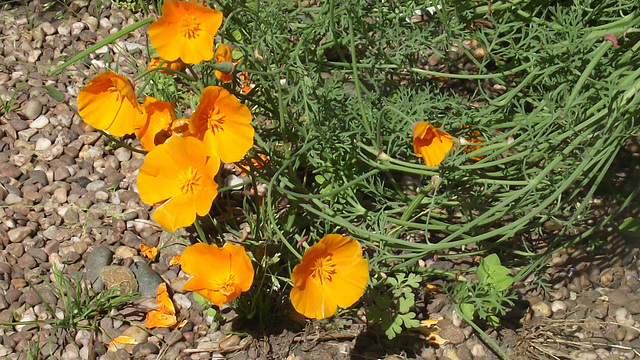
<point>468,310</point>
<point>55,94</point>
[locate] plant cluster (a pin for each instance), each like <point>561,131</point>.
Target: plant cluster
<point>516,109</point>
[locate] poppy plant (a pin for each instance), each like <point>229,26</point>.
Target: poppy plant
<point>219,274</point>
<point>332,273</point>
<point>223,124</point>
<point>155,128</point>
<point>223,54</point>
<point>185,31</point>
<point>430,143</point>
<point>178,176</point>
<point>108,102</point>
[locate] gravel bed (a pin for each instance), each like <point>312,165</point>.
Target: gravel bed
<point>68,201</point>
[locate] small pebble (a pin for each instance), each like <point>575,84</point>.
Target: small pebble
<point>541,309</point>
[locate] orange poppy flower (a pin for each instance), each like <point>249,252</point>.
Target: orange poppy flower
<point>223,124</point>
<point>430,143</point>
<point>332,273</point>
<point>155,62</point>
<point>150,252</point>
<point>186,31</point>
<point>223,54</point>
<point>178,176</point>
<point>155,128</point>
<point>219,274</point>
<point>165,315</point>
<point>108,102</point>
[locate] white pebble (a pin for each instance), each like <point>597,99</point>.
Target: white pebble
<point>541,309</point>
<point>587,355</point>
<point>43,144</point>
<point>52,153</point>
<point>234,181</point>
<point>477,350</point>
<point>64,30</point>
<point>182,301</point>
<point>40,122</point>
<point>28,315</point>
<point>105,23</point>
<point>34,55</point>
<point>83,337</point>
<point>77,27</point>
<point>558,305</point>
<point>623,316</point>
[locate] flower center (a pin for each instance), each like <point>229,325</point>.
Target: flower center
<point>189,181</point>
<point>190,27</point>
<point>323,269</point>
<point>216,120</point>
<point>228,286</point>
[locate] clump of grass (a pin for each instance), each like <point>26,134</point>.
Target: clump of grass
<point>79,307</point>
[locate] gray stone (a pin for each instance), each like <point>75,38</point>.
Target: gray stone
<point>148,280</point>
<point>39,176</point>
<point>32,109</point>
<point>95,262</point>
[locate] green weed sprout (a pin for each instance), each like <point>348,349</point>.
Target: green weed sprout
<point>488,298</point>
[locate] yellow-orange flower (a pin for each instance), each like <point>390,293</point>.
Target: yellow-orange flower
<point>219,274</point>
<point>108,102</point>
<point>186,31</point>
<point>155,62</point>
<point>178,176</point>
<point>332,273</point>
<point>223,54</point>
<point>430,143</point>
<point>155,128</point>
<point>223,124</point>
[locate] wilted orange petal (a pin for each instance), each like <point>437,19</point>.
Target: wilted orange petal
<point>165,305</point>
<point>157,318</point>
<point>149,252</point>
<point>175,260</point>
<point>125,340</point>
<point>430,329</point>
